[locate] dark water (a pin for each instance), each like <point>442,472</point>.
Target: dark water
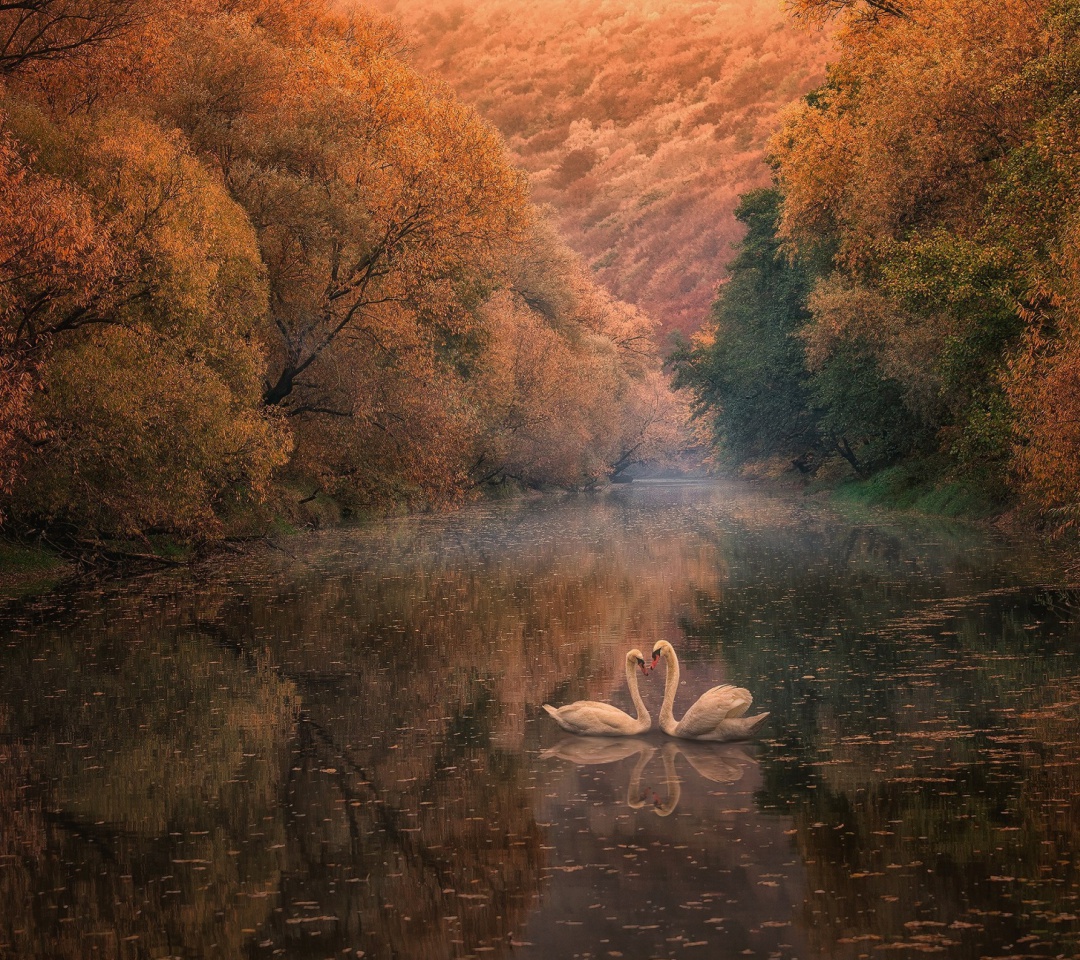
<point>336,749</point>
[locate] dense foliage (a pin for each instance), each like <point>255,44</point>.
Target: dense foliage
<point>639,121</point>
<point>748,363</point>
<point>249,256</point>
<point>928,194</point>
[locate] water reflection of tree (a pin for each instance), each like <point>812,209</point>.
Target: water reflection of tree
<point>418,654</point>
<point>131,774</point>
<point>972,847</point>
<point>416,842</point>
<point>385,705</point>
<point>289,746</point>
<point>166,784</point>
<point>923,740</point>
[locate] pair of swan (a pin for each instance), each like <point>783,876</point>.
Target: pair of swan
<point>718,714</point>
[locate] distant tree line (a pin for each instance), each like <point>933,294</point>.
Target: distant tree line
<point>910,289</point>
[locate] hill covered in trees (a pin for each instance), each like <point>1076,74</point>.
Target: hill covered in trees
<point>252,261</point>
<point>640,122</point>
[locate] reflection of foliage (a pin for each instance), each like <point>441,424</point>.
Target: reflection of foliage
<point>328,750</point>
<point>400,784</point>
<point>921,742</point>
<point>151,761</point>
<point>403,865</point>
<point>973,831</point>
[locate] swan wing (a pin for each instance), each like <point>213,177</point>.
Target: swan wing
<point>585,752</point>
<point>738,728</point>
<point>713,707</point>
<point>720,764</point>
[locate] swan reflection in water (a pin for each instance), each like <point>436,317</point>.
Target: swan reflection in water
<point>718,762</point>
<point>586,753</point>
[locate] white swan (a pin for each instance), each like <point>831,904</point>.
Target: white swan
<point>718,713</point>
<point>594,719</point>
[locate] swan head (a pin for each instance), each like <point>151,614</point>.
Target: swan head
<point>661,649</point>
<point>635,658</point>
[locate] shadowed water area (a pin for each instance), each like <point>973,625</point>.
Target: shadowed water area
<point>336,748</point>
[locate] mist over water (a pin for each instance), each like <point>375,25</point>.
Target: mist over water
<point>336,747</point>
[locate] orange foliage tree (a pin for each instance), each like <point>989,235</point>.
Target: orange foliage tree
<point>571,391</point>
<point>52,259</point>
<point>144,344</point>
<point>36,30</point>
<point>250,247</point>
<point>384,211</point>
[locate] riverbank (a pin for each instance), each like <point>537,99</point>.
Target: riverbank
<point>921,488</point>
<point>30,570</point>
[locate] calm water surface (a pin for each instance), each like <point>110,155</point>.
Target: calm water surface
<point>336,748</point>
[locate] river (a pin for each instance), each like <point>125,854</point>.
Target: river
<point>335,747</point>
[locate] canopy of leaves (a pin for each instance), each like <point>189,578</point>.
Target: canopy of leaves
<point>937,169</point>
<point>249,256</point>
<point>748,370</point>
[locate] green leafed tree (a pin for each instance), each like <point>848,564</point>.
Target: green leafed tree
<point>749,374</point>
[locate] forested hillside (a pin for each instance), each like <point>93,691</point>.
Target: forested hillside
<point>910,293</point>
<point>252,262</point>
<point>639,122</point>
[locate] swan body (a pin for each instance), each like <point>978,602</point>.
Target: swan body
<point>717,715</point>
<point>592,719</point>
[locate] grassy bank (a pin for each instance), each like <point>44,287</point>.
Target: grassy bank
<point>27,570</point>
<point>923,487</point>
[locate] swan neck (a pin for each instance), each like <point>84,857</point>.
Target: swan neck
<point>671,685</point>
<point>633,790</point>
<point>635,694</point>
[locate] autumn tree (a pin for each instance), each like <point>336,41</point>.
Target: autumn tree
<point>570,391</point>
<point>1033,212</point>
<point>36,30</point>
<point>855,9</point>
<point>52,259</point>
<point>138,294</point>
<point>925,167</point>
<point>640,129</point>
<point>384,211</point>
<point>250,249</point>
